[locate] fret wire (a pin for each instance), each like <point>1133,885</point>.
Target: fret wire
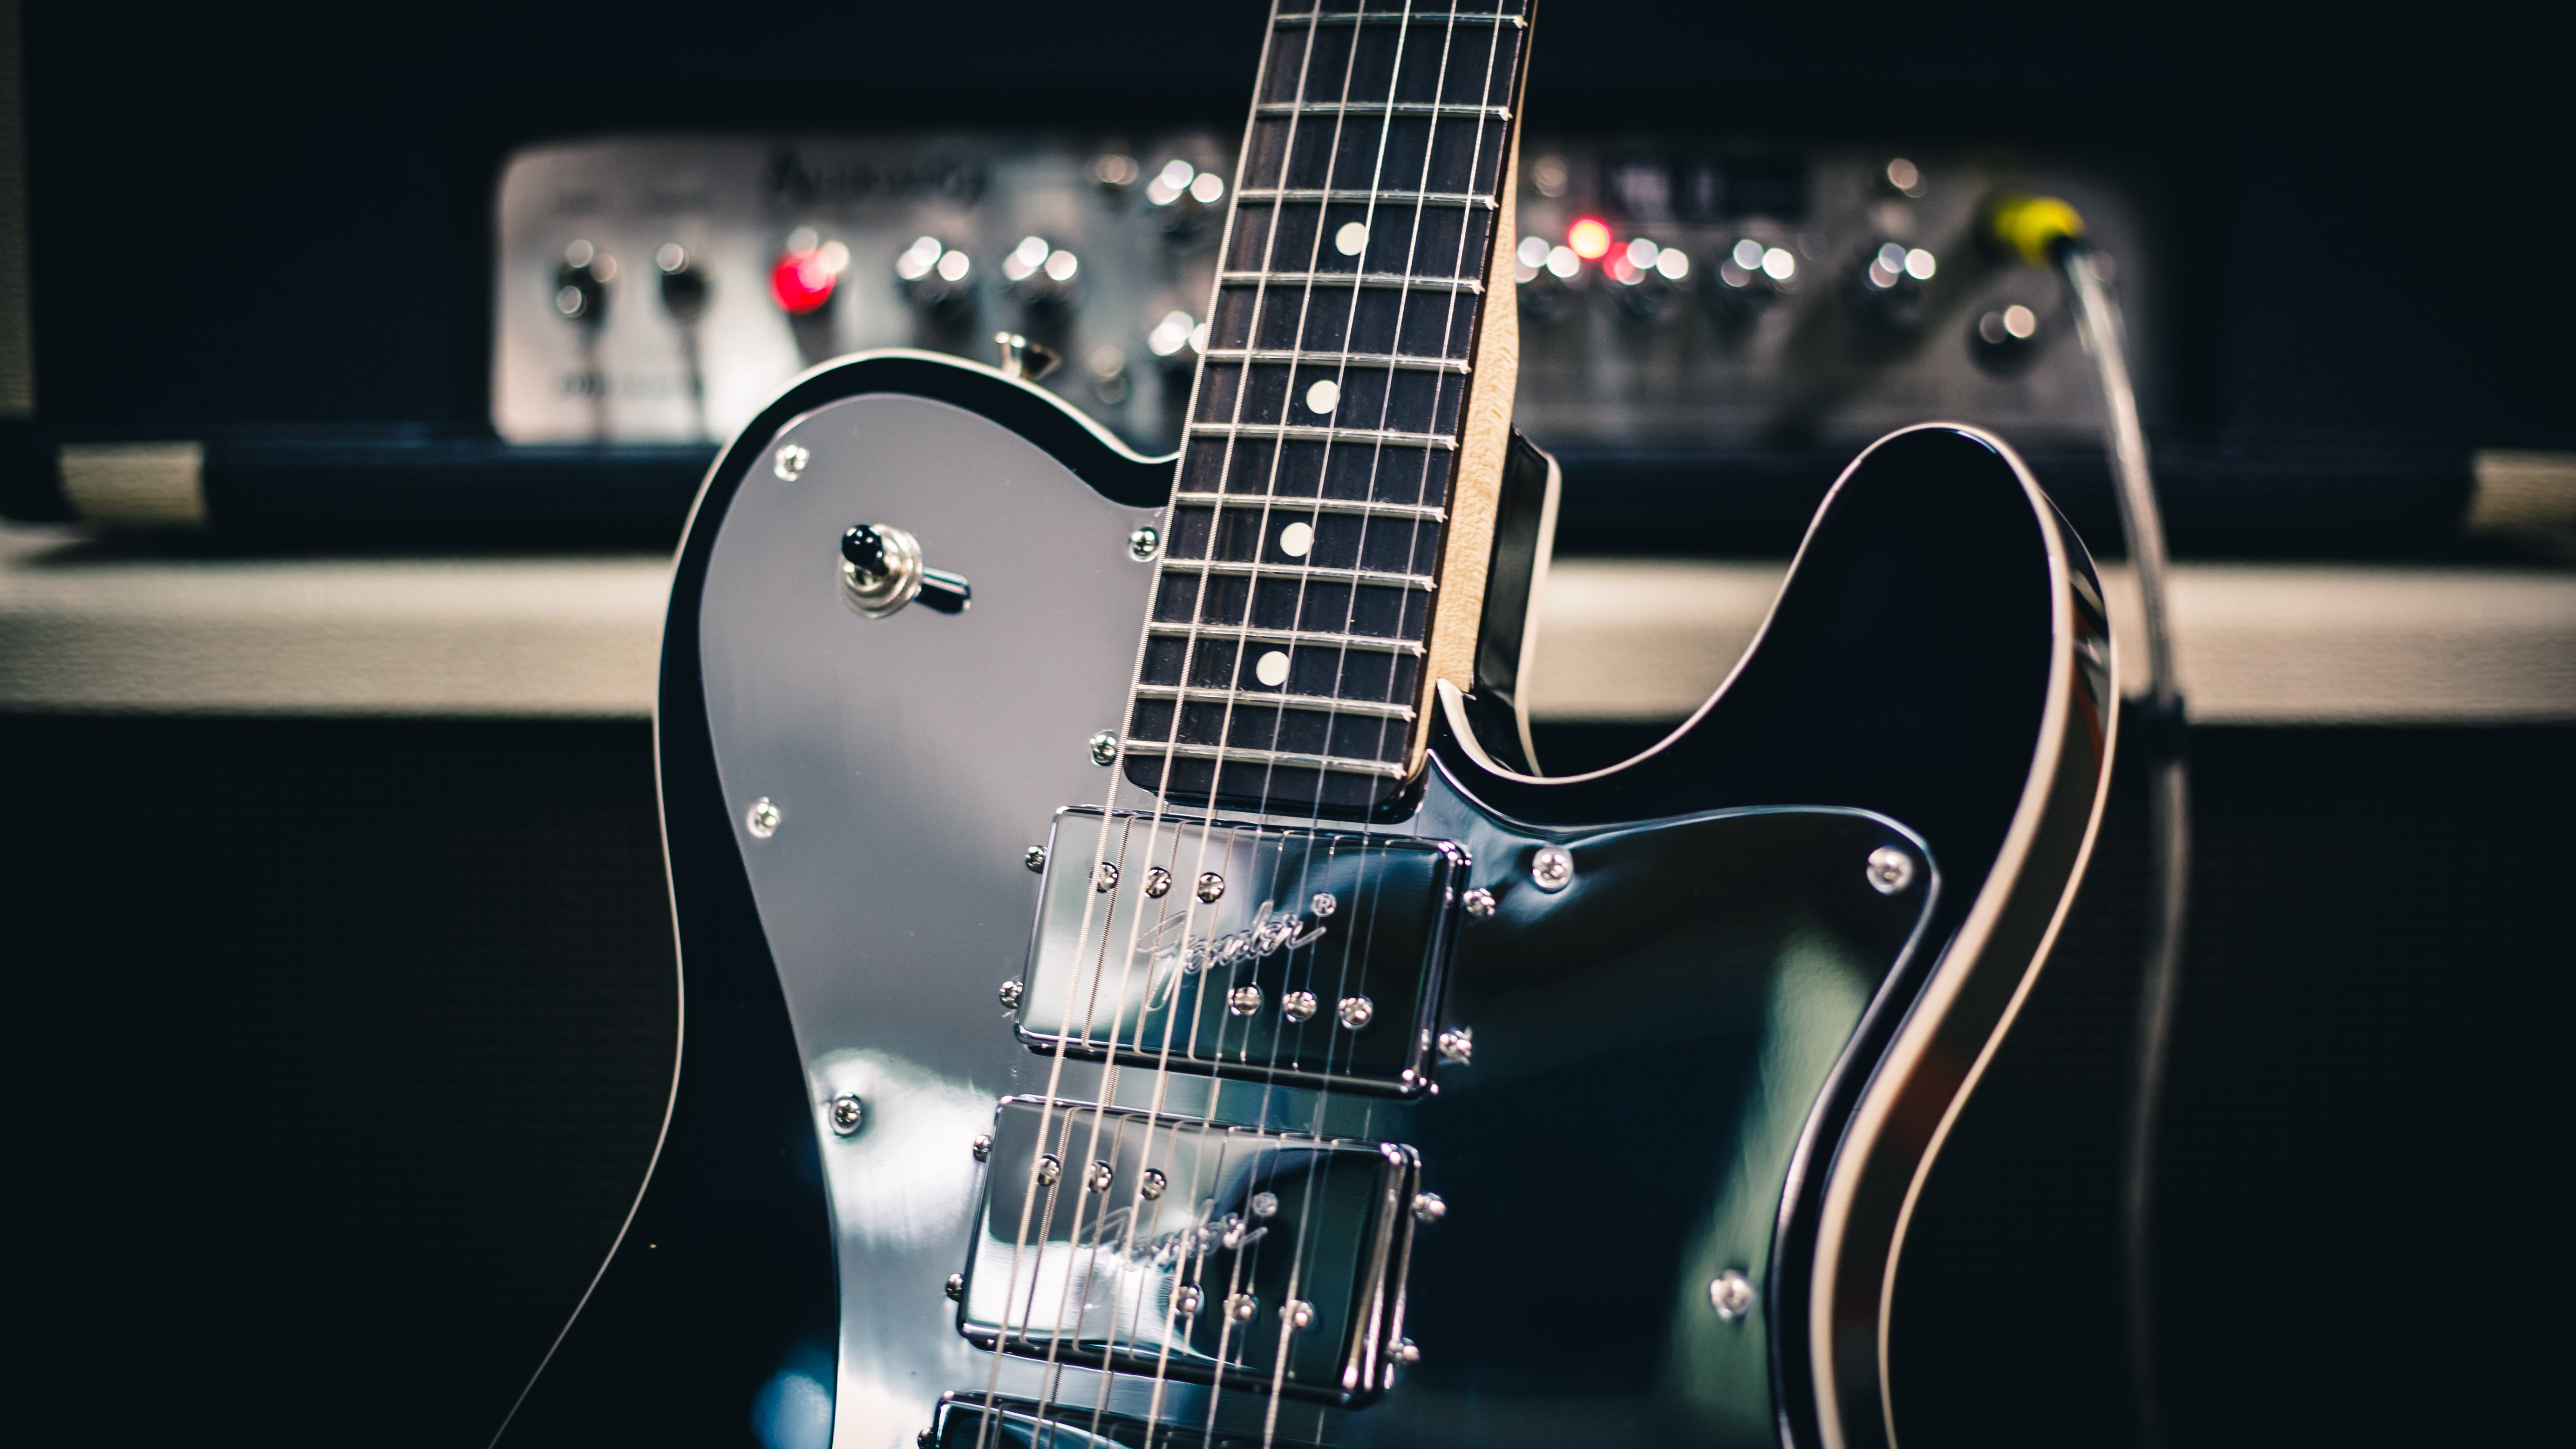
<point>1394,17</point>
<point>1461,109</point>
<point>1366,643</point>
<point>1298,433</point>
<point>1368,708</point>
<point>1472,200</point>
<point>1396,361</point>
<point>1247,755</point>
<point>1248,569</point>
<point>1305,503</point>
<point>1361,279</point>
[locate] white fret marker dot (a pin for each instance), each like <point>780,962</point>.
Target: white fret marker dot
<point>1271,668</point>
<point>1324,396</point>
<point>1297,539</point>
<point>1350,239</point>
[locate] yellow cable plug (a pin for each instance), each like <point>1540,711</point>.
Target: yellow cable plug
<point>2032,226</point>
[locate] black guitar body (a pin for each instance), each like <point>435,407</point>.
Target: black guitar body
<point>1719,1004</point>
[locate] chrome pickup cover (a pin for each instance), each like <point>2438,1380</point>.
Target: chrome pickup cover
<point>1150,1245</point>
<point>1317,959</point>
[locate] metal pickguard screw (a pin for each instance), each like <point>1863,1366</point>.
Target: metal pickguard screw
<point>1211,886</point>
<point>1012,993</point>
<point>790,463</point>
<point>1158,882</point>
<point>1890,870</point>
<point>1552,869</point>
<point>1458,1045</point>
<point>1297,1005</point>
<point>1142,543</point>
<point>1243,1000</point>
<point>848,1114</point>
<point>1731,1294</point>
<point>1104,748</point>
<point>956,1287</point>
<point>982,1146</point>
<point>1355,1011</point>
<point>1034,858</point>
<point>1479,902</point>
<point>1104,876</point>
<point>1428,1207</point>
<point>762,818</point>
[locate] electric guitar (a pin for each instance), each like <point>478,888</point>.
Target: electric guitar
<point>1140,988</point>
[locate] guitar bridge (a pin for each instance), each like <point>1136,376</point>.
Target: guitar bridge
<point>1275,954</point>
<point>1210,1254</point>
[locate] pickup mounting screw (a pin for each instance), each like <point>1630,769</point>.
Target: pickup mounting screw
<point>1104,876</point>
<point>790,462</point>
<point>1153,1185</point>
<point>1297,1005</point>
<point>1428,1208</point>
<point>1731,1294</point>
<point>1298,1313</point>
<point>1049,1169</point>
<point>1104,748</point>
<point>1479,902</point>
<point>1211,886</point>
<point>1243,1000</point>
<point>1142,543</point>
<point>1406,1352</point>
<point>1242,1306</point>
<point>1099,1177</point>
<point>1158,882</point>
<point>1890,870</point>
<point>1458,1045</point>
<point>982,1146</point>
<point>1012,993</point>
<point>1034,858</point>
<point>956,1287</point>
<point>1185,1299</point>
<point>1355,1011</point>
<point>848,1114</point>
<point>1552,869</point>
<point>762,819</point>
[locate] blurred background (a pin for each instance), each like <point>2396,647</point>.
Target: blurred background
<point>357,370</point>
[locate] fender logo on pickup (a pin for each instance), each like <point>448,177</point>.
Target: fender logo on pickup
<point>1162,942</point>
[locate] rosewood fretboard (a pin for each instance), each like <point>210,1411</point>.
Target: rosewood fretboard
<point>1296,595</point>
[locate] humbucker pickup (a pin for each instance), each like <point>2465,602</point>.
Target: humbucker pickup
<point>1137,1242</point>
<point>1272,954</point>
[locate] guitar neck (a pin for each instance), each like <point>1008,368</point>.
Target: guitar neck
<point>1334,506</point>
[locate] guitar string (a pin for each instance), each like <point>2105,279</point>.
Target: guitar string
<point>1162,794</point>
<point>1369,884</point>
<point>1160,807</point>
<point>1215,779</point>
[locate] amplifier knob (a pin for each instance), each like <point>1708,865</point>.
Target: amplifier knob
<point>808,268</point>
<point>581,283</point>
<point>932,274</point>
<point>1750,277</point>
<point>684,282</point>
<point>1886,287</point>
<point>1041,275</point>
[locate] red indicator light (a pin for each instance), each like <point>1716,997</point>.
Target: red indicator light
<point>802,281</point>
<point>1588,238</point>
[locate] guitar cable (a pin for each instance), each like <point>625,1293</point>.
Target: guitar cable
<point>2049,234</point>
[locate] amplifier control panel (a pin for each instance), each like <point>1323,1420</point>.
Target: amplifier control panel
<point>1675,295</point>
